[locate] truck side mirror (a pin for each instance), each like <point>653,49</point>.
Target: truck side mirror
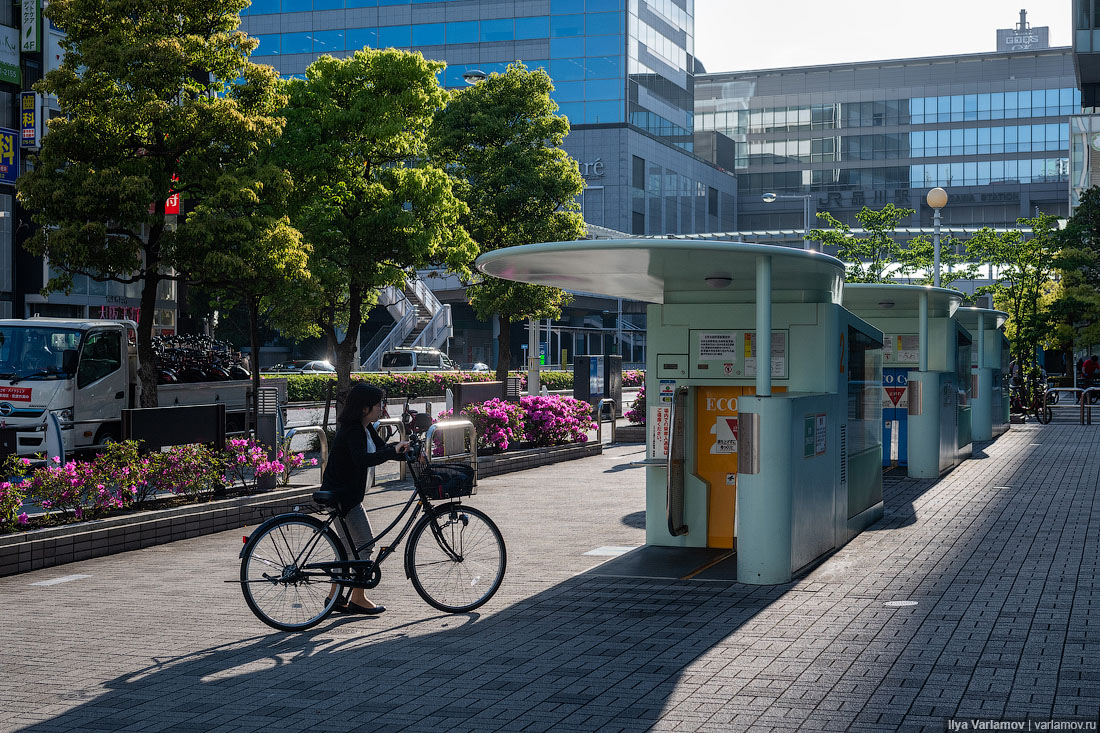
<point>68,361</point>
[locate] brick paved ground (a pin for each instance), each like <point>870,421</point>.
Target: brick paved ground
<point>1000,558</point>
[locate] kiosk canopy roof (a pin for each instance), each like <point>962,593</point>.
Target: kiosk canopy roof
<point>994,319</point>
<point>652,270</point>
<point>867,300</point>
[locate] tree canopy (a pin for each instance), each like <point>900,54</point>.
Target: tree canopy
<point>501,140</point>
<point>368,198</point>
<point>154,103</point>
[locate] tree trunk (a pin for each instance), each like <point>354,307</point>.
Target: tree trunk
<point>504,348</point>
<point>344,354</point>
<point>254,351</point>
<point>147,369</point>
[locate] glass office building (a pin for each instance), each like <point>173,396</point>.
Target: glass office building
<point>623,73</point>
<point>990,128</point>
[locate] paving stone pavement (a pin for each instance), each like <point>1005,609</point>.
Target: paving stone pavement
<point>1000,557</point>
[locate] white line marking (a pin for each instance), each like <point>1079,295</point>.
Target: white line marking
<point>900,604</point>
<point>62,579</point>
<point>609,551</point>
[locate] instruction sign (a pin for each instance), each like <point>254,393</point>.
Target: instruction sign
<point>732,354</point>
<point>778,355</point>
<point>668,386</point>
<point>900,348</point>
<point>659,417</point>
<point>718,346</point>
<point>814,430</point>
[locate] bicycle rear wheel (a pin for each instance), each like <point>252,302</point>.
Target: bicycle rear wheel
<point>459,567</point>
<point>1043,413</point>
<point>275,586</point>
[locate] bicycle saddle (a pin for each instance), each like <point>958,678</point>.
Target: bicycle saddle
<point>326,498</point>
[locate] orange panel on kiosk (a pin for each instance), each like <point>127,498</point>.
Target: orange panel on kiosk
<point>716,433</point>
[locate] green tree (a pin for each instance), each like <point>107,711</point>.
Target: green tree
<point>372,205</point>
<point>1024,268</point>
<point>868,257</point>
<point>240,243</point>
<point>146,113</point>
<point>501,140</point>
<point>918,256</point>
<point>1076,310</point>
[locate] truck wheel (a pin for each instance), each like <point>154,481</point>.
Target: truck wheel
<point>106,434</point>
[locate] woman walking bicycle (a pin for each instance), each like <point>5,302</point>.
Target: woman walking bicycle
<point>294,565</point>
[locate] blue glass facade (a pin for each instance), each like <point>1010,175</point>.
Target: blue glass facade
<point>621,64</point>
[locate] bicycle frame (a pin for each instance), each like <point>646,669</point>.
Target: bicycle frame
<point>418,502</point>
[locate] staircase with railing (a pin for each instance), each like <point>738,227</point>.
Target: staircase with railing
<point>419,320</point>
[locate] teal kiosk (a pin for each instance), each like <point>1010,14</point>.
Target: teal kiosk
<point>763,393</point>
<point>926,374</point>
<point>989,359</point>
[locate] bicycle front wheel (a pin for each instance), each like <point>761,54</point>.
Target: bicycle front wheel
<point>277,583</point>
<point>455,558</point>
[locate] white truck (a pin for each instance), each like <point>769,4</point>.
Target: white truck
<point>85,373</point>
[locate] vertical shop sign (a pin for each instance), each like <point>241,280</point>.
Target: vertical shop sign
<point>28,119</point>
<point>9,156</point>
<point>32,21</point>
<point>9,55</point>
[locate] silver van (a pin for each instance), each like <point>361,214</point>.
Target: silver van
<point>416,360</point>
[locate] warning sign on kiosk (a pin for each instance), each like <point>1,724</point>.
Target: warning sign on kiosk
<point>658,432</point>
<point>725,434</point>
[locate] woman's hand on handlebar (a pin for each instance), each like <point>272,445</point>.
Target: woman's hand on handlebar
<point>402,446</point>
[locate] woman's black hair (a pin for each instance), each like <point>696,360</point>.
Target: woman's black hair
<point>359,397</point>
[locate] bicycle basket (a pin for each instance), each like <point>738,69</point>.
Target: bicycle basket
<point>447,481</point>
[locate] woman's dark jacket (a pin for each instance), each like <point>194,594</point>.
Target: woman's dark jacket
<point>349,463</point>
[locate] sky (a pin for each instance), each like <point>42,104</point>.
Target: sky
<point>741,35</point>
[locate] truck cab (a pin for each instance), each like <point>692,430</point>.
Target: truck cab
<point>83,372</point>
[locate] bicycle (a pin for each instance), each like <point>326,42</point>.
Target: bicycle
<point>1031,400</point>
<point>293,564</point>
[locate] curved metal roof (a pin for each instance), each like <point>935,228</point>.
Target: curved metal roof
<point>868,300</point>
<point>969,318</point>
<point>668,270</point>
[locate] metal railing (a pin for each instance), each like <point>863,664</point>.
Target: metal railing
<point>1085,399</point>
<point>305,430</point>
<point>395,422</point>
<point>402,306</point>
<point>469,435</point>
<point>605,402</point>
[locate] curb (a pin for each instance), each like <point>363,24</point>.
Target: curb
<point>44,548</point>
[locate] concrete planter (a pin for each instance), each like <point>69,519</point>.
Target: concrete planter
<point>630,434</point>
<point>43,548</point>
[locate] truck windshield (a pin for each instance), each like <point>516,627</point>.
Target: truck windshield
<point>37,352</point>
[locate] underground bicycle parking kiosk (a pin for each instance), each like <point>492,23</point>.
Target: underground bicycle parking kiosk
<point>989,360</point>
<point>925,373</point>
<point>763,393</point>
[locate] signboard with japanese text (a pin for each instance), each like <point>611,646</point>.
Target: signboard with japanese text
<point>900,349</point>
<point>658,431</point>
<point>732,354</point>
<point>9,156</point>
<point>28,119</point>
<point>9,55</point>
<point>32,21</point>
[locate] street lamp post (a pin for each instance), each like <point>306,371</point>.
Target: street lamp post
<point>806,198</point>
<point>937,199</point>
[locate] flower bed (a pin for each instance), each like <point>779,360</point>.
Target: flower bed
<point>122,478</point>
<point>636,414</point>
<point>312,387</point>
<point>534,421</point>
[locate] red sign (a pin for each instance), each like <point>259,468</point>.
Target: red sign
<point>895,394</point>
<point>22,394</point>
<point>172,205</point>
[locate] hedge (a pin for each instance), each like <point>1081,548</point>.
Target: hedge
<point>311,387</point>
